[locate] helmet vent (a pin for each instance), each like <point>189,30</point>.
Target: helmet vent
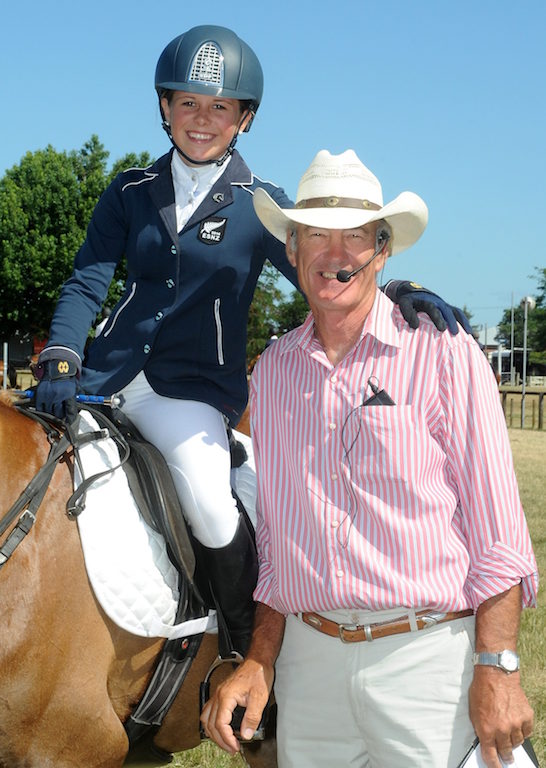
<point>208,65</point>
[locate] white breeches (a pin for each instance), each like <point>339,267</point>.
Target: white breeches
<point>193,440</point>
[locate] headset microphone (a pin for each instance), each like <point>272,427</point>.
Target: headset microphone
<point>343,276</point>
<point>383,237</point>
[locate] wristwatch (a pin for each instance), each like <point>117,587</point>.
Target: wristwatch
<point>508,661</point>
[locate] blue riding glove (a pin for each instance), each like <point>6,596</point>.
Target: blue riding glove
<point>57,371</point>
<point>413,298</point>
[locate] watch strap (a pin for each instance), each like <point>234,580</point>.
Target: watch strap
<point>487,659</point>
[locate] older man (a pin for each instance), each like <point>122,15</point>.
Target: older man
<point>394,553</point>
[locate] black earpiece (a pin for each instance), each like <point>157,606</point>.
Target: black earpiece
<point>382,236</point>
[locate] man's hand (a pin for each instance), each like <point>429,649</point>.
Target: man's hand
<point>413,298</point>
<point>500,714</point>
<point>249,686</point>
<point>498,707</point>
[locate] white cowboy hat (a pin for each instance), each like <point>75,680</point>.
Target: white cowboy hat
<point>339,192</point>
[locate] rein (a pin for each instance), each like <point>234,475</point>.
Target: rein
<point>63,438</point>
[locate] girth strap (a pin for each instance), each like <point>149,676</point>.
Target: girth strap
<point>175,661</point>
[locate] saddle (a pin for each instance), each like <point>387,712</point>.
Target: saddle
<point>155,495</point>
<point>153,489</point>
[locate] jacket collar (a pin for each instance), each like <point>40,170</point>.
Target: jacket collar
<point>237,173</point>
<point>162,193</point>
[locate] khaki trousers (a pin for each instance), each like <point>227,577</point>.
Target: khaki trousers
<point>397,701</point>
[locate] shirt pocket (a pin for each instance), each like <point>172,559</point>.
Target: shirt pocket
<point>393,445</point>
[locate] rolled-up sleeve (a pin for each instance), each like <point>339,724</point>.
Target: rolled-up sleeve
<point>490,518</point>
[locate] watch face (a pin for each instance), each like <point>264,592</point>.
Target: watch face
<point>509,661</point>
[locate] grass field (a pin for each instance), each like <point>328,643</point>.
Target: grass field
<point>529,449</point>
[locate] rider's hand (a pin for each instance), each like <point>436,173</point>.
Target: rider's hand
<point>57,371</point>
<point>413,298</point>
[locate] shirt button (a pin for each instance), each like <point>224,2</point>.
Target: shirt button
<point>334,476</point>
<point>159,315</point>
<point>331,425</point>
<point>333,379</point>
<point>146,348</point>
<point>340,573</point>
<point>335,523</point>
<point>169,282</point>
<point>173,249</point>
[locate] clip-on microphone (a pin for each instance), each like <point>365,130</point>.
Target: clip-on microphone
<point>379,397</point>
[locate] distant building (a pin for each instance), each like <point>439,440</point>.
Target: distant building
<point>492,349</point>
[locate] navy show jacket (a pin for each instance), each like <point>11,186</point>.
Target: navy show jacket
<point>183,315</point>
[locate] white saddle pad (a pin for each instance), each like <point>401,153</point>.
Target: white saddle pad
<point>126,560</point>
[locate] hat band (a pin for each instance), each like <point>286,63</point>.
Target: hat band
<point>338,202</point>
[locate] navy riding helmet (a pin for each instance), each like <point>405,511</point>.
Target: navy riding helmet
<point>212,61</point>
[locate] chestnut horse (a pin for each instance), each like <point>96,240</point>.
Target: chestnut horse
<point>69,676</point>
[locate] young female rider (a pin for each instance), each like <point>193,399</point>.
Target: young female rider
<point>174,346</point>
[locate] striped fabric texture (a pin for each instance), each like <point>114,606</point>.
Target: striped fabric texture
<point>374,506</point>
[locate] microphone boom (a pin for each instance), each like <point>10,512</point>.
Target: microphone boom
<point>344,276</point>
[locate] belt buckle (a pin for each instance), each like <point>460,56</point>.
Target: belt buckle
<point>354,628</point>
<point>432,618</point>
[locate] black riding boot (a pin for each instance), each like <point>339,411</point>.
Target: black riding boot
<point>232,572</point>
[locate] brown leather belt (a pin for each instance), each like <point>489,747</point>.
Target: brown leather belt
<point>358,633</point>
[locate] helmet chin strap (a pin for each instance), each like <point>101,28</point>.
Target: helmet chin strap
<point>219,161</point>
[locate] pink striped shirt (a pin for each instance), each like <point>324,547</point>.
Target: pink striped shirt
<point>376,507</point>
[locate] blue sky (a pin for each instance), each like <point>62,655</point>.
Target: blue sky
<point>445,99</point>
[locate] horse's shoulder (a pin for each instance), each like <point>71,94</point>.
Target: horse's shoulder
<point>22,440</point>
<point>9,415</point>
<point>6,399</point>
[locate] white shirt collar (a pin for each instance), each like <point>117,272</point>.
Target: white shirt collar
<point>191,185</point>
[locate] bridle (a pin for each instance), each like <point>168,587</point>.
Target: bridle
<point>64,440</point>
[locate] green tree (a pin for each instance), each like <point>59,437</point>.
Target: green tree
<point>271,314</point>
<point>262,314</point>
<point>130,160</point>
<point>45,205</point>
<point>40,229</point>
<point>539,317</point>
<point>536,323</point>
<point>291,312</point>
